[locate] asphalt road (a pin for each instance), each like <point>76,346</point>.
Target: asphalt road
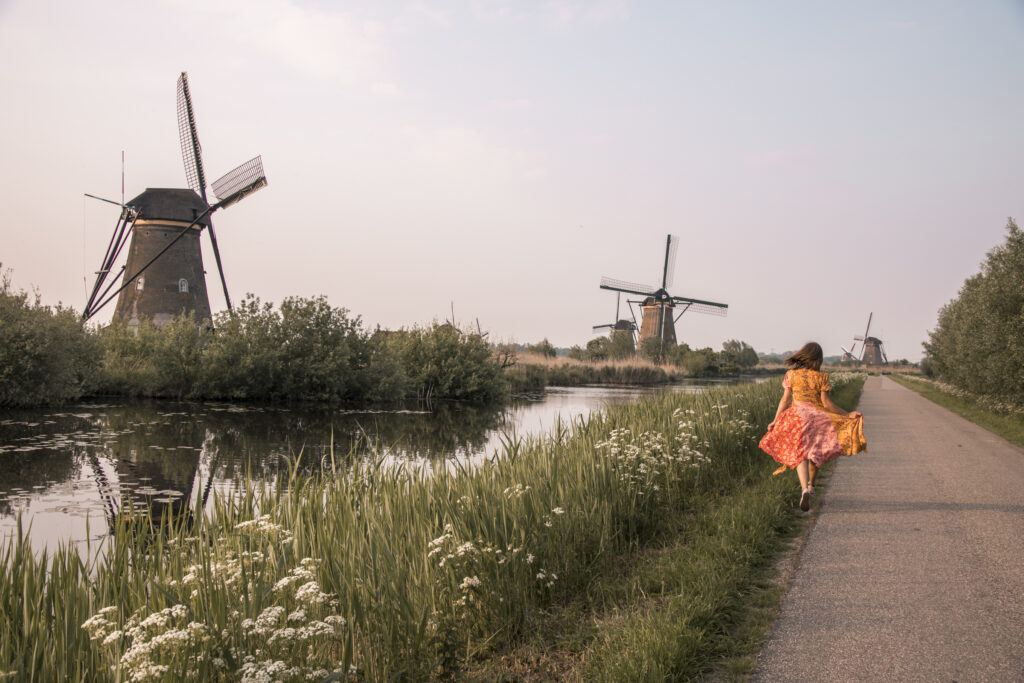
<point>914,568</point>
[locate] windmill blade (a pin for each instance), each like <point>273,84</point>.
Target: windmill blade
<point>191,152</point>
<point>868,328</point>
<point>603,327</point>
<point>671,247</point>
<point>847,352</point>
<point>122,232</point>
<point>239,183</point>
<point>628,287</point>
<point>192,155</point>
<point>705,307</point>
<point>881,348</point>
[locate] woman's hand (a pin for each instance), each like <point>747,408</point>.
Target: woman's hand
<point>855,414</point>
<point>771,426</point>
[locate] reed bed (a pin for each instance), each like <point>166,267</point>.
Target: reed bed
<point>374,572</point>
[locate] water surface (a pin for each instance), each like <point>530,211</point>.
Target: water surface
<point>69,471</point>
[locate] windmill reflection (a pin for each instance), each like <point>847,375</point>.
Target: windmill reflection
<point>155,470</point>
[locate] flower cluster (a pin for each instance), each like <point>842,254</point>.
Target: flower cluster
<point>996,405</point>
<point>291,632</point>
<point>647,462</point>
<point>156,642</point>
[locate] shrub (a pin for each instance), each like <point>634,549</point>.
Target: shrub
<point>442,362</point>
<point>46,354</point>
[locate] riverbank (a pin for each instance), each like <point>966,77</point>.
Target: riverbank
<point>380,572</point>
<point>534,372</point>
<point>1007,422</point>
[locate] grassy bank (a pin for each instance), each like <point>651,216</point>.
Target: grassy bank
<point>391,572</point>
<point>1003,420</point>
<point>533,372</point>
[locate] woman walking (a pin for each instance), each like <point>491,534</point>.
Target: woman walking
<point>810,430</point>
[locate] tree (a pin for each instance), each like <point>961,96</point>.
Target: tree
<point>978,340</point>
<point>543,348</point>
<point>735,352</point>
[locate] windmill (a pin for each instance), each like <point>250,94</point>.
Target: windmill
<point>658,306</point>
<point>872,352</point>
<point>848,356</point>
<point>621,326</point>
<point>163,275</point>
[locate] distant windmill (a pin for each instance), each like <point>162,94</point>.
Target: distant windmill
<point>848,356</point>
<point>658,306</point>
<point>873,352</point>
<point>164,274</point>
<point>621,326</point>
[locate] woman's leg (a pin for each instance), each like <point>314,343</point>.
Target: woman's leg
<point>812,471</point>
<point>805,495</point>
<point>801,472</point>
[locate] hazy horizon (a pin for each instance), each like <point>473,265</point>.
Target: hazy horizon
<point>818,162</point>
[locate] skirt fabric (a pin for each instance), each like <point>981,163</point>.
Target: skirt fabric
<point>806,432</point>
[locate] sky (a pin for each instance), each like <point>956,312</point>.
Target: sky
<point>819,161</point>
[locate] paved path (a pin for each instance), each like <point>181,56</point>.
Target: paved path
<point>914,570</point>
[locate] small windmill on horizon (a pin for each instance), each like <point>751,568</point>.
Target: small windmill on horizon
<point>872,350</point>
<point>661,310</point>
<point>163,274</point>
<point>620,326</point>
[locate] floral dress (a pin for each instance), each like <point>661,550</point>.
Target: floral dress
<point>806,430</point>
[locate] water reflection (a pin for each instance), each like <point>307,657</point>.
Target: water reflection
<point>59,468</point>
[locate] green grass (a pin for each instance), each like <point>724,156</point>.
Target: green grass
<point>698,601</point>
<point>659,518</point>
<point>1008,426</point>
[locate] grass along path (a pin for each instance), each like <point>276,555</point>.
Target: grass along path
<point>1009,425</point>
<point>369,572</point>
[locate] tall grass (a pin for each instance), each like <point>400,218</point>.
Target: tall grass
<point>372,572</point>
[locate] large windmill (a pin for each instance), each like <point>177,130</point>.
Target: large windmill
<point>872,352</point>
<point>163,275</point>
<point>660,309</point>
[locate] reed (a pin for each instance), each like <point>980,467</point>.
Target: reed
<point>374,570</point>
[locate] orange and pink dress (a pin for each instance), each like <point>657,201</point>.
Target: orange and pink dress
<point>806,430</point>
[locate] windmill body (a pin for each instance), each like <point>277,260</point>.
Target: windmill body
<point>175,283</point>
<point>658,319</point>
<point>872,351</point>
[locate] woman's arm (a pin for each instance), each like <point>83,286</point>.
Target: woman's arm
<point>783,404</point>
<point>831,407</point>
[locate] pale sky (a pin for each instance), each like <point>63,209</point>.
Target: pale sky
<point>818,160</point>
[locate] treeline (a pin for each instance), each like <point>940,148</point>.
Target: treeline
<point>303,350</point>
<point>735,356</point>
<point>978,340</point>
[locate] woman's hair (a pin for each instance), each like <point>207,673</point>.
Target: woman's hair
<point>809,356</point>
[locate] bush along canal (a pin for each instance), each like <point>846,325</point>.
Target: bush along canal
<point>371,571</point>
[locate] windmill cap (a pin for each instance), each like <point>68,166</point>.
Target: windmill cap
<point>170,204</point>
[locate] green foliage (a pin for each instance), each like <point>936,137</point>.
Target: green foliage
<point>655,350</point>
<point>736,352</point>
<point>543,348</point>
<point>46,354</point>
<point>443,362</point>
<point>978,341</point>
<point>306,350</point>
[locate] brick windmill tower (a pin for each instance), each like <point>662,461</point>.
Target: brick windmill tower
<point>163,275</point>
<point>661,310</point>
<point>873,352</point>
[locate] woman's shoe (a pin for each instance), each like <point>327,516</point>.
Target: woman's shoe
<point>805,500</point>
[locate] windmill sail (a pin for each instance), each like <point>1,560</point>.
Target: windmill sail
<point>192,155</point>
